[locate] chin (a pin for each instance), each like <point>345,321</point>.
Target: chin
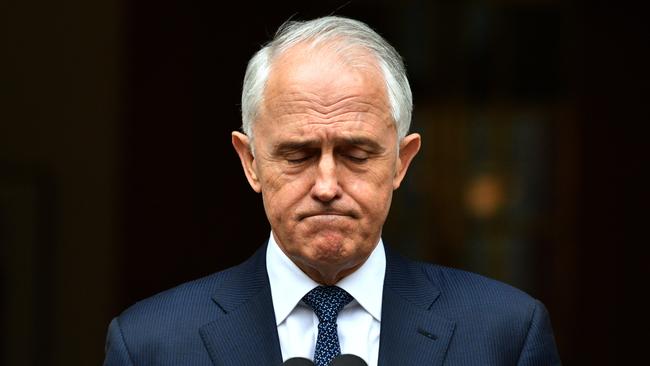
<point>328,246</point>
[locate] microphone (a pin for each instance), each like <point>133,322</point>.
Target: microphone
<point>348,360</point>
<point>298,361</point>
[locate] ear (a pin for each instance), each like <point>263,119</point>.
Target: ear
<point>241,143</point>
<point>408,148</point>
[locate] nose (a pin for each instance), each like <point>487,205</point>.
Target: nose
<point>326,185</point>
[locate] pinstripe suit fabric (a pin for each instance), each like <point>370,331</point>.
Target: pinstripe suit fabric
<point>431,315</point>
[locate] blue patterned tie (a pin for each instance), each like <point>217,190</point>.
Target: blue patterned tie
<point>327,301</point>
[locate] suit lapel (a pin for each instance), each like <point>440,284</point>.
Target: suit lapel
<point>410,333</point>
<point>245,332</point>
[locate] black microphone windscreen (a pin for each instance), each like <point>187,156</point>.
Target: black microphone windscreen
<point>298,361</point>
<point>348,360</point>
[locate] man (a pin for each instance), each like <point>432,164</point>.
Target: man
<point>326,109</point>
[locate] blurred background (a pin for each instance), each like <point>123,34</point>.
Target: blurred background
<point>117,178</point>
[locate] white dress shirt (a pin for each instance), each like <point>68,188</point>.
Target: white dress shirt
<point>358,322</point>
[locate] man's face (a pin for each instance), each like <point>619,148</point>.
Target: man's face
<point>326,160</point>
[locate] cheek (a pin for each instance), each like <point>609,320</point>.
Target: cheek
<point>373,195</point>
<point>281,192</point>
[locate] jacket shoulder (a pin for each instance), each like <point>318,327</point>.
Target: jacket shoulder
<point>482,304</point>
<point>170,320</point>
<point>189,299</point>
<point>184,296</point>
<point>461,285</point>
<point>494,315</point>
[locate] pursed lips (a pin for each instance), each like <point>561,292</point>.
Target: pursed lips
<point>325,214</point>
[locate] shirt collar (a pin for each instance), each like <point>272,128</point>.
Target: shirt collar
<point>289,283</point>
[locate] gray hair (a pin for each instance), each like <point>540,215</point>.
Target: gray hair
<point>345,31</point>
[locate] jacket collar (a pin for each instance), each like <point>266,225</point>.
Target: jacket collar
<point>411,334</point>
<point>245,332</point>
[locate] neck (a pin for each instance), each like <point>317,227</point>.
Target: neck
<point>328,278</point>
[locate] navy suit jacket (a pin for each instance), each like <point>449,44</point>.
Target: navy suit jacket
<point>431,315</point>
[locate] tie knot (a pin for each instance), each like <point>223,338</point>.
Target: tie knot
<point>327,301</point>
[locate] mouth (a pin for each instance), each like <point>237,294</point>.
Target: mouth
<point>325,215</point>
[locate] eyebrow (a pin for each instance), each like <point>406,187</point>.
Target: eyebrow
<point>365,142</point>
<point>288,146</point>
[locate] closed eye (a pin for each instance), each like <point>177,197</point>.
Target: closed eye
<point>300,156</point>
<point>357,159</point>
<point>355,154</point>
<point>298,160</point>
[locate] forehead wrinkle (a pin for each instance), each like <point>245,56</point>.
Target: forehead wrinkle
<point>306,111</point>
<point>298,101</point>
<point>327,129</point>
<point>324,107</point>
